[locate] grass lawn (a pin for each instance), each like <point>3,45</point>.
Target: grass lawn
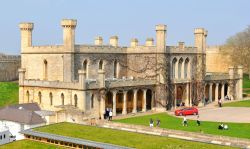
<point>244,103</point>
<point>28,144</point>
<point>240,130</point>
<point>8,93</point>
<point>246,91</point>
<point>246,81</point>
<point>123,138</point>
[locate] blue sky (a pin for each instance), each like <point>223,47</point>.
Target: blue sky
<point>127,19</point>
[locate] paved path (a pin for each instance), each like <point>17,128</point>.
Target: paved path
<point>224,114</point>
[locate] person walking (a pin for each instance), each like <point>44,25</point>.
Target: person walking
<point>110,114</point>
<point>198,120</point>
<point>151,123</point>
<point>185,122</point>
<point>158,122</point>
<point>220,102</point>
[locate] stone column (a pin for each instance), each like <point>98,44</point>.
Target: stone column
<point>114,103</point>
<point>135,101</point>
<point>175,96</point>
<point>240,73</point>
<point>144,101</point>
<point>102,106</point>
<point>187,94</point>
<point>152,100</point>
<point>176,70</point>
<point>182,69</point>
<point>222,92</point>
<point>216,92</point>
<point>124,108</point>
<point>210,92</point>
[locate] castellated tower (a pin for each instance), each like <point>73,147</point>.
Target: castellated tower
<point>26,35</point>
<point>69,26</point>
<point>161,71</point>
<point>200,43</point>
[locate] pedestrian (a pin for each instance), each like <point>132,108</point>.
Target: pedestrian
<point>198,120</point>
<point>185,122</point>
<point>110,114</point>
<point>220,102</point>
<point>151,123</point>
<point>158,122</point>
<point>107,113</point>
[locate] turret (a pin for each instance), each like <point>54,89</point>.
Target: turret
<point>98,40</point>
<point>113,41</point>
<point>26,35</point>
<point>134,42</point>
<point>149,42</point>
<point>69,26</point>
<point>200,35</point>
<point>161,38</point>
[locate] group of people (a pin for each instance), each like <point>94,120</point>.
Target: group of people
<point>151,123</point>
<point>222,126</point>
<point>185,121</point>
<point>108,114</point>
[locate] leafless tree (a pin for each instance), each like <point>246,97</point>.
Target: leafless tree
<point>238,48</point>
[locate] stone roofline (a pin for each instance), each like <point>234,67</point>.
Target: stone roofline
<point>70,46</point>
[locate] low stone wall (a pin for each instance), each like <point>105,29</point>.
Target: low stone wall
<point>191,136</point>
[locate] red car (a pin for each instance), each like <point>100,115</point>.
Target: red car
<point>187,111</point>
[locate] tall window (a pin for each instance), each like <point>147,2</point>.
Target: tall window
<point>180,71</point>
<point>62,98</point>
<point>85,67</point>
<point>174,68</point>
<point>75,99</point>
<point>101,65</point>
<point>40,97</point>
<point>28,96</point>
<point>115,69</point>
<point>45,70</point>
<point>92,101</point>
<point>51,98</point>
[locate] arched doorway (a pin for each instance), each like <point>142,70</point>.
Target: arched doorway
<point>139,100</point>
<point>179,96</point>
<point>119,102</point>
<point>130,96</point>
<point>149,99</point>
<point>109,100</point>
<point>213,92</point>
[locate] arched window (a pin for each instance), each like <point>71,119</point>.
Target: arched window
<point>186,68</point>
<point>75,100</point>
<point>85,67</point>
<point>101,65</point>
<point>45,70</point>
<point>116,69</point>
<point>62,98</point>
<point>28,96</point>
<point>92,101</point>
<point>180,71</point>
<point>51,98</point>
<point>174,68</point>
<point>40,97</point>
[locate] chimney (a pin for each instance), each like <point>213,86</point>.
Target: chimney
<point>98,40</point>
<point>134,42</point>
<point>149,42</point>
<point>113,41</point>
<point>181,45</point>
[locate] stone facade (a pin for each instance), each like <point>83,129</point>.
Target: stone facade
<point>87,79</point>
<point>9,65</point>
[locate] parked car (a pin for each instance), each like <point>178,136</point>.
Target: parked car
<point>187,111</point>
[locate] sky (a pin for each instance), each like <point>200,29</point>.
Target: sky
<point>125,18</point>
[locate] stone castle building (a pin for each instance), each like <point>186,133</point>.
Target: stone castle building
<point>9,65</point>
<point>86,79</point>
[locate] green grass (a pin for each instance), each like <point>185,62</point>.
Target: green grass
<point>28,144</point>
<point>246,91</point>
<point>8,93</point>
<point>246,81</point>
<point>240,130</point>
<point>244,103</point>
<point>123,138</point>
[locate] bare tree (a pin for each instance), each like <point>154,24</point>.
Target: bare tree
<point>238,48</point>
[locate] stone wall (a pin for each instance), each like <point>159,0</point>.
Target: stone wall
<point>216,61</point>
<point>9,65</point>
